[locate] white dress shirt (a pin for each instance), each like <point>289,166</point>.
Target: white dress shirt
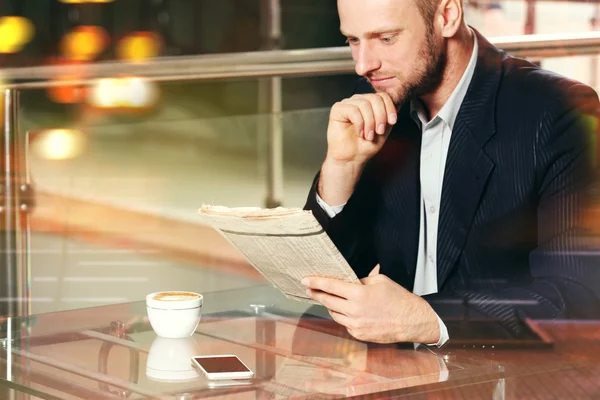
<point>434,151</point>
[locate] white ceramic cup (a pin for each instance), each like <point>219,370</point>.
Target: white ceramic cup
<point>174,314</point>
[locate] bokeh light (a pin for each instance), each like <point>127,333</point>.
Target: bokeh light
<point>2,86</point>
<point>127,92</point>
<point>15,33</point>
<point>58,144</point>
<point>63,90</point>
<point>84,43</point>
<point>139,46</point>
<point>85,1</point>
<point>66,93</point>
<point>104,94</point>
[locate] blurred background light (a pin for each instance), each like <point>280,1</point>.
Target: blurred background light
<point>64,90</point>
<point>142,93</point>
<point>104,93</point>
<point>85,1</point>
<point>67,93</point>
<point>15,33</point>
<point>84,43</point>
<point>126,92</point>
<point>58,144</point>
<point>139,46</point>
<point>2,84</point>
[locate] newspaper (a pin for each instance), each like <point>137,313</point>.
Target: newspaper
<point>283,244</point>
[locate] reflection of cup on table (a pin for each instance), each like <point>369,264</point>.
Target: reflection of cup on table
<point>169,360</point>
<point>174,314</point>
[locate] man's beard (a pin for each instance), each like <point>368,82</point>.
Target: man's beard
<point>429,78</point>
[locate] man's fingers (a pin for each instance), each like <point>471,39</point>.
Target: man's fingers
<point>375,111</point>
<point>373,276</point>
<point>379,111</point>
<point>371,115</point>
<point>347,112</point>
<point>339,318</point>
<point>335,287</point>
<point>375,271</point>
<point>390,108</point>
<point>368,114</point>
<point>331,302</point>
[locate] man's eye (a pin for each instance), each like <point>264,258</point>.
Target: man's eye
<point>387,39</point>
<point>352,41</point>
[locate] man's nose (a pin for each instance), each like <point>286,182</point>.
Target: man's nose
<point>366,61</point>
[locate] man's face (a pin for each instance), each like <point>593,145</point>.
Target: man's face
<point>393,47</point>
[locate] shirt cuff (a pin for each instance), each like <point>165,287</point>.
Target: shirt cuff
<point>331,211</point>
<point>444,337</point>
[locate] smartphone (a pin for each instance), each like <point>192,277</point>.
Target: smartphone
<point>228,383</point>
<point>222,367</point>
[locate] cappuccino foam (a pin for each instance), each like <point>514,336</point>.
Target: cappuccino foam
<point>175,296</point>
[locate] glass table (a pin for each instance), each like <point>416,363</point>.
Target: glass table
<point>295,350</point>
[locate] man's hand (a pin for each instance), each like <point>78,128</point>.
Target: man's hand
<point>358,129</point>
<point>379,310</point>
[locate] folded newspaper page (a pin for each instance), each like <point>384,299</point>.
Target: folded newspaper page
<point>284,244</point>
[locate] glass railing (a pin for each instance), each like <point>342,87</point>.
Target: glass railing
<point>120,220</point>
<point>118,186</point>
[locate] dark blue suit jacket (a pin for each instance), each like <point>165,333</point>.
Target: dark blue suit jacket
<point>513,191</point>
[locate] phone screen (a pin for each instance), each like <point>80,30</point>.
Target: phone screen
<point>214,365</point>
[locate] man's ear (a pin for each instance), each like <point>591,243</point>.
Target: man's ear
<point>449,17</point>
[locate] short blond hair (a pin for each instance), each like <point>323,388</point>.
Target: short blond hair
<point>427,9</point>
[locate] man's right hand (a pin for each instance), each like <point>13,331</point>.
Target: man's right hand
<point>358,129</point>
<point>359,126</point>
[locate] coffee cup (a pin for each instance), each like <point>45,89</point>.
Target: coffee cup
<point>174,314</point>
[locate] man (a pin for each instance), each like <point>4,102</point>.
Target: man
<point>454,171</point>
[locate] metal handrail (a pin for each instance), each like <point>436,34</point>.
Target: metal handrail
<point>260,64</point>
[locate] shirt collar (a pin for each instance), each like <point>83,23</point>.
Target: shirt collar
<point>449,111</point>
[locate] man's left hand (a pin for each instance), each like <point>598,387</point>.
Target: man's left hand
<point>379,310</point>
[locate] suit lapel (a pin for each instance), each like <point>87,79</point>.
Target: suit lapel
<point>467,171</point>
<point>408,192</point>
<point>468,167</point>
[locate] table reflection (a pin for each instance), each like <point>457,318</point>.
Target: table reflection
<point>340,364</point>
<point>294,352</point>
<point>169,360</point>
